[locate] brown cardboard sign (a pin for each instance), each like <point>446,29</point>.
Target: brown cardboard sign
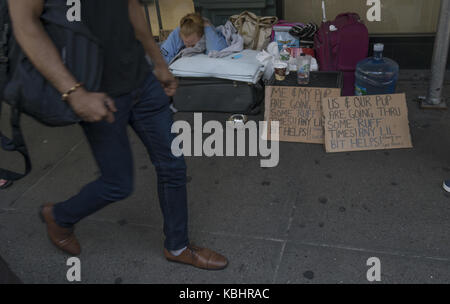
<point>360,123</point>
<point>298,109</point>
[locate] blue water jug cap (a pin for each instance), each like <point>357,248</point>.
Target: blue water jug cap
<point>378,47</point>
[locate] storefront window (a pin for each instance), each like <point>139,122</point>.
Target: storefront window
<point>398,17</point>
<point>171,13</point>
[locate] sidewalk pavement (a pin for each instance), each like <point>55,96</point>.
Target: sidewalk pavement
<point>6,275</point>
<point>316,218</point>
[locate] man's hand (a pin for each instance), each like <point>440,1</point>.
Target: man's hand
<point>169,83</point>
<point>145,36</point>
<point>92,107</point>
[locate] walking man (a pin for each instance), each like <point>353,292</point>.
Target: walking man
<point>130,94</point>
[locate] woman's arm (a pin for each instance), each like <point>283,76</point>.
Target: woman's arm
<point>173,44</point>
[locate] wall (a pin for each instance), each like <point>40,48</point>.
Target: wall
<point>171,13</point>
<point>398,16</point>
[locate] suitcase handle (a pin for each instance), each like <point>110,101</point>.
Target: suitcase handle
<point>350,17</point>
<point>324,11</point>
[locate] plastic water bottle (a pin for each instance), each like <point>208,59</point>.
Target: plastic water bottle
<point>303,69</point>
<point>376,75</point>
<point>284,54</point>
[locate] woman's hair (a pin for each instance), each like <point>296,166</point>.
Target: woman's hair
<point>192,24</point>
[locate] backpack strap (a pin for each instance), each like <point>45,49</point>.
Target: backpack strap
<point>16,144</point>
<point>257,33</point>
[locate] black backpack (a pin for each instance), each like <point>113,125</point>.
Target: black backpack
<point>27,91</point>
<point>8,62</point>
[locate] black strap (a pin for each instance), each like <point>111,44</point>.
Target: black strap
<point>16,144</point>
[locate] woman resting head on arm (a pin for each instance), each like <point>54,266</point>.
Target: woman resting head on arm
<point>191,30</point>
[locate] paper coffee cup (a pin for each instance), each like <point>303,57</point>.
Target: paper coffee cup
<point>281,70</point>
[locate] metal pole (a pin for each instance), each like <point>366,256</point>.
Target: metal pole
<point>440,56</point>
<point>147,17</point>
<point>158,12</point>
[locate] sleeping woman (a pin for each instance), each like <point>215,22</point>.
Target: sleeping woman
<point>191,30</point>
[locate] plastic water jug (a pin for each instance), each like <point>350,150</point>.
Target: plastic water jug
<point>376,75</point>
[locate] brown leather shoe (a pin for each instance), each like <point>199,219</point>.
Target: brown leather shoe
<point>63,238</point>
<point>199,257</point>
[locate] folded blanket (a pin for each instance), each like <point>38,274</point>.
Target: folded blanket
<point>246,68</point>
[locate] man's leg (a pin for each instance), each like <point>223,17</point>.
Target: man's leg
<point>110,146</point>
<point>111,149</point>
<point>151,118</point>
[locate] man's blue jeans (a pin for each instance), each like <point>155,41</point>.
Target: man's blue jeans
<point>147,111</point>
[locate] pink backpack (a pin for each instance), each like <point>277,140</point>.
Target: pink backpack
<point>285,23</point>
<point>340,45</point>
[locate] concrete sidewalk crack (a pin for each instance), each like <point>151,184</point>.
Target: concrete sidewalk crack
<point>374,251</point>
<point>48,173</point>
<point>288,229</point>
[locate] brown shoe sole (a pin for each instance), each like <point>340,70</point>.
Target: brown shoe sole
<point>209,269</point>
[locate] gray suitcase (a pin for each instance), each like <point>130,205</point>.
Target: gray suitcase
<point>218,95</point>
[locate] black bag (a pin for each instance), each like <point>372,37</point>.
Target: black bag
<point>27,91</point>
<point>218,95</point>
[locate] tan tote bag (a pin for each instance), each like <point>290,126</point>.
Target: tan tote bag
<point>255,30</point>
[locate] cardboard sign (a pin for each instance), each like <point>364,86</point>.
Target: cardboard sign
<point>298,109</point>
<point>366,123</point>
